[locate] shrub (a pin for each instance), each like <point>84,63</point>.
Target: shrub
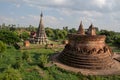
<point>17,65</point>
<point>10,74</point>
<point>43,60</point>
<point>25,55</point>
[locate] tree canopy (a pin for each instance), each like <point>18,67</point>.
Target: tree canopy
<point>9,37</point>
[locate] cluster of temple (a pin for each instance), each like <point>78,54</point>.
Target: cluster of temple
<point>87,50</point>
<point>39,37</point>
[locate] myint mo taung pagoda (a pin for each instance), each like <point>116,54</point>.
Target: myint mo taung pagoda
<point>88,54</point>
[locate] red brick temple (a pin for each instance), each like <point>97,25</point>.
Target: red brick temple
<point>87,51</point>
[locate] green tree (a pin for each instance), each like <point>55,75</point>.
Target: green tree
<point>73,30</point>
<point>65,28</point>
<point>110,35</point>
<point>30,28</point>
<point>12,27</point>
<point>65,33</point>
<point>24,35</point>
<point>9,37</point>
<point>56,36</point>
<point>117,41</point>
<point>2,48</point>
<point>60,34</point>
<point>49,32</point>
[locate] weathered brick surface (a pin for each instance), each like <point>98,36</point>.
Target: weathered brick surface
<point>88,52</point>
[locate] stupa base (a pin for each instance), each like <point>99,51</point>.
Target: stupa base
<point>114,70</point>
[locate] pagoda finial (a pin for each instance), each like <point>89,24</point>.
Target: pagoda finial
<point>81,24</point>
<point>81,30</point>
<point>41,15</point>
<point>91,26</point>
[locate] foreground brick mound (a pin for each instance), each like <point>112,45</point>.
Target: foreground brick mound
<point>87,51</point>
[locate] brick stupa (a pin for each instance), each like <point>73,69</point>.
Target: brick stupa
<point>87,51</point>
<point>41,37</point>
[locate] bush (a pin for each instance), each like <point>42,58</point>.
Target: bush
<point>10,74</point>
<point>17,46</point>
<point>17,65</point>
<point>25,56</point>
<point>43,60</point>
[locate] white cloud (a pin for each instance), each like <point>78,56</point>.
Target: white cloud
<point>4,19</point>
<point>61,18</point>
<point>65,12</point>
<point>100,3</point>
<point>59,2</point>
<point>51,21</point>
<point>34,17</point>
<point>11,13</point>
<point>22,17</point>
<point>102,13</point>
<point>47,20</point>
<point>18,5</point>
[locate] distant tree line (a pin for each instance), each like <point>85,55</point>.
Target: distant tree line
<point>111,37</point>
<point>59,34</point>
<point>11,33</point>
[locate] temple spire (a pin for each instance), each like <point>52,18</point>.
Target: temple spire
<point>41,15</point>
<point>80,29</point>
<point>91,30</point>
<point>41,35</point>
<point>91,26</point>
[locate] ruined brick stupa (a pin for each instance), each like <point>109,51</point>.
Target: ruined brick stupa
<point>87,51</point>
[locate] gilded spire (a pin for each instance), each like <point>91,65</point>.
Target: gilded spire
<point>81,30</point>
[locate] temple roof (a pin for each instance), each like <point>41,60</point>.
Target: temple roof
<point>91,30</point>
<point>91,26</point>
<point>80,29</point>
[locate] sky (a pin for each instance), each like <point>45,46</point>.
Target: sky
<point>104,14</point>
